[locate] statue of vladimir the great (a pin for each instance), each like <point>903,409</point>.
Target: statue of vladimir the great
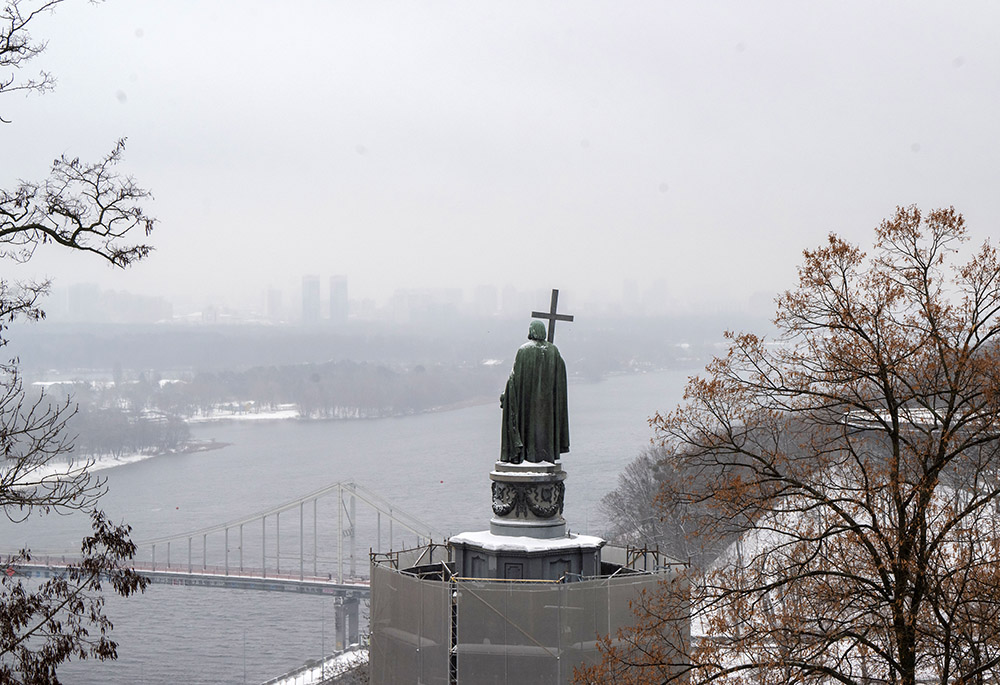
<point>535,416</point>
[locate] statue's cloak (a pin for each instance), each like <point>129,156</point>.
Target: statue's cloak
<point>535,415</point>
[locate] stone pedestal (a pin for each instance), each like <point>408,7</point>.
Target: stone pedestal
<point>528,499</point>
<point>527,539</point>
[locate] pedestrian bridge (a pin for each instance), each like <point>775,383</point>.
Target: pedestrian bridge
<point>307,545</point>
<point>314,537</point>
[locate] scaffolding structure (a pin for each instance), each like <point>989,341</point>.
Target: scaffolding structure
<point>432,627</point>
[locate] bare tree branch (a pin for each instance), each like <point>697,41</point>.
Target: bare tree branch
<point>861,456</point>
<point>89,208</point>
<point>81,206</point>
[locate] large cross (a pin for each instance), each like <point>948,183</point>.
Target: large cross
<point>551,316</point>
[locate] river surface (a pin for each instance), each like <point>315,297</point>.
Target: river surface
<point>434,466</point>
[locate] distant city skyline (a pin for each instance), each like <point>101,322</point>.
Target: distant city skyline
<point>562,144</point>
<point>309,303</point>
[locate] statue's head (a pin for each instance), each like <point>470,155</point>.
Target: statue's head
<point>536,331</point>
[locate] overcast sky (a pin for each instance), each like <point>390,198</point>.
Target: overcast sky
<point>543,144</point>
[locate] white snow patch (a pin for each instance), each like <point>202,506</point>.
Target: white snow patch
<point>316,672</point>
<point>520,543</point>
<point>283,411</point>
<point>61,470</point>
<point>524,473</point>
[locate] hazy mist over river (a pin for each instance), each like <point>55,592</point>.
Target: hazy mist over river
<point>359,204</point>
<point>434,466</point>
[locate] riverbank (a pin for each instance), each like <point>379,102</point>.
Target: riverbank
<point>77,466</point>
<point>287,412</point>
<point>282,412</point>
<point>108,461</point>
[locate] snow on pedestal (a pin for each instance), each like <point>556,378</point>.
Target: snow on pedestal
<point>527,539</point>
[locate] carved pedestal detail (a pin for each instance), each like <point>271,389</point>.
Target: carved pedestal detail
<point>527,538</point>
<point>544,500</point>
<point>528,499</point>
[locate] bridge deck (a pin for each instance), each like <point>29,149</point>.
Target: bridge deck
<point>247,579</point>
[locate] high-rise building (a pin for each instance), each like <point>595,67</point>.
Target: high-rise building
<point>338,300</point>
<point>310,299</point>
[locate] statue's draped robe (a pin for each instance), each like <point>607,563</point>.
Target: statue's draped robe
<point>535,416</point>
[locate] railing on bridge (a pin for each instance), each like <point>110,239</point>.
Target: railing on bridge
<point>234,548</point>
<point>306,545</point>
<point>220,565</point>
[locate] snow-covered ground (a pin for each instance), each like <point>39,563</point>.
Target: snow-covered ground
<point>283,411</point>
<point>58,470</point>
<point>108,462</point>
<point>312,673</point>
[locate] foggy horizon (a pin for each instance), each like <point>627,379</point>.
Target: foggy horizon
<point>359,207</point>
<point>557,145</point>
<point>83,301</point>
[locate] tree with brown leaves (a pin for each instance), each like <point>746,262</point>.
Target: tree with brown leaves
<point>90,208</point>
<point>857,459</point>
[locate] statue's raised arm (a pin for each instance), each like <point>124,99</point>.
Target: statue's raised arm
<point>535,416</point>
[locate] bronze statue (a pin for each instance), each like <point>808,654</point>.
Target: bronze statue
<point>535,416</point>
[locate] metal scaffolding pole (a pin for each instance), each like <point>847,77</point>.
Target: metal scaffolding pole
<point>168,555</point>
<point>302,541</point>
<point>241,549</point>
<point>354,527</point>
<point>315,572</point>
<point>154,557</point>
<point>378,538</point>
<point>340,535</point>
<point>263,546</point>
<point>227,551</point>
<point>204,552</point>
<point>189,555</point>
<point>277,542</point>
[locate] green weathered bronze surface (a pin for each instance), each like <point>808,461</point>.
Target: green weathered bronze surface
<point>535,416</point>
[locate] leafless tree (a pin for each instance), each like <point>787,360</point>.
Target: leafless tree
<point>861,452</point>
<point>90,208</point>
